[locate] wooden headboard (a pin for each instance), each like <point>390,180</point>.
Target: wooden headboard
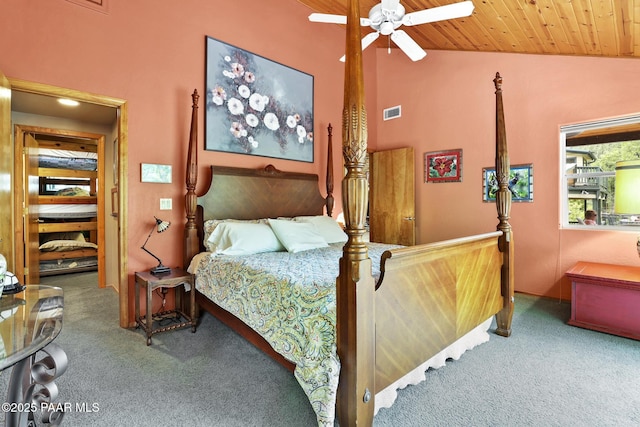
<point>241,193</point>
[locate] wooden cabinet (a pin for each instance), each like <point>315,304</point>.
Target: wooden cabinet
<point>606,298</point>
<point>392,197</point>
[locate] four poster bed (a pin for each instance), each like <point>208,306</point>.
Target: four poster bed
<point>353,320</point>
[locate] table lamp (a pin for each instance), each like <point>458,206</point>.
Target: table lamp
<point>159,226</point>
<point>627,193</point>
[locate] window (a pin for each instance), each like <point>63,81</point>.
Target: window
<point>51,185</point>
<point>589,155</point>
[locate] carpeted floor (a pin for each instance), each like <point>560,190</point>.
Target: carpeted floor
<point>546,374</point>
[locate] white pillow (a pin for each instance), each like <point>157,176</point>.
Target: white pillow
<point>71,235</point>
<point>244,238</point>
<point>66,245</point>
<point>327,227</point>
<point>211,224</point>
<point>297,236</point>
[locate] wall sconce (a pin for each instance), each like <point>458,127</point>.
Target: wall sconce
<point>627,195</point>
<point>159,226</point>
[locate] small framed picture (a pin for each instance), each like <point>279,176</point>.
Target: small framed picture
<point>443,166</point>
<point>115,162</point>
<point>520,183</point>
<point>150,172</point>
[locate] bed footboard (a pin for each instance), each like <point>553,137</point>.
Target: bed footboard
<point>430,295</point>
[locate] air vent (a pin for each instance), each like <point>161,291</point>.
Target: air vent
<point>392,113</point>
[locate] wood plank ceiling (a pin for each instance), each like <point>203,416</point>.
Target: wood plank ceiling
<point>606,28</point>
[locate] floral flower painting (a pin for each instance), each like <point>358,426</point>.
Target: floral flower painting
<point>443,166</point>
<point>257,106</point>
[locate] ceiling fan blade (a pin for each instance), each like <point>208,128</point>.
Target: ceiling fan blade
<point>366,41</point>
<point>327,18</point>
<point>408,45</point>
<point>369,38</point>
<point>440,13</point>
<point>335,19</point>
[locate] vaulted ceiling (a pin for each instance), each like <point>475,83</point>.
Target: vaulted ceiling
<point>607,28</point>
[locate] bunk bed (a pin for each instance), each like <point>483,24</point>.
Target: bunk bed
<point>359,329</point>
<point>67,209</point>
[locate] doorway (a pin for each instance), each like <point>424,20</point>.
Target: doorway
<point>60,187</point>
<point>116,206</point>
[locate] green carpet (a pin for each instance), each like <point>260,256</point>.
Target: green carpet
<point>546,374</point>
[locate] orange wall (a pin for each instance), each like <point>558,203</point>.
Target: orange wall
<point>154,57</point>
<point>448,102</point>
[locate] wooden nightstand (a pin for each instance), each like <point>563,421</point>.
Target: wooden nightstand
<point>173,279</point>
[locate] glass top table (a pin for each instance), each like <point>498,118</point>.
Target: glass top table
<point>29,321</point>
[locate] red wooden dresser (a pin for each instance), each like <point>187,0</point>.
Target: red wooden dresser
<point>606,298</point>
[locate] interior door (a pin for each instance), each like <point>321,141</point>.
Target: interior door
<point>31,191</point>
<point>392,197</point>
<point>6,168</point>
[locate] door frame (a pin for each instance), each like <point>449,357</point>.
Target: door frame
<point>20,196</point>
<point>121,107</point>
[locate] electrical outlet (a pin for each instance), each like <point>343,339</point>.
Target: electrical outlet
<point>165,204</point>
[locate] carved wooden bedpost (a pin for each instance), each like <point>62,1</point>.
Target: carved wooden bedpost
<point>192,243</point>
<point>330,199</point>
<point>503,205</point>
<point>355,285</point>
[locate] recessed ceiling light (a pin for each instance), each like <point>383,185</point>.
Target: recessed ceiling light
<point>68,102</point>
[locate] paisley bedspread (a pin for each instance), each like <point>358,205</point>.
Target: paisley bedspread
<point>290,300</point>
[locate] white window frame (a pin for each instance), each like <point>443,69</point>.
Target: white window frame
<point>564,176</point>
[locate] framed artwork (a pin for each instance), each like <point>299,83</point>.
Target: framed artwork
<point>443,166</point>
<point>256,106</point>
<point>520,183</point>
<point>115,162</point>
<point>155,173</point>
<point>114,202</point>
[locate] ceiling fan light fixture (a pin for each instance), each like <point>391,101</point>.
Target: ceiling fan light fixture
<point>386,28</point>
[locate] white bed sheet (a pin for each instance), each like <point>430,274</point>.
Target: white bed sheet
<point>66,210</point>
<point>67,153</point>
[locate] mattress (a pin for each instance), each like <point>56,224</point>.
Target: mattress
<point>73,265</point>
<point>65,159</point>
<point>66,211</point>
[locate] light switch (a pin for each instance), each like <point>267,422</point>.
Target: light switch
<point>165,204</point>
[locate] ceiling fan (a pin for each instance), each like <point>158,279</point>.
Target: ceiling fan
<point>385,18</point>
